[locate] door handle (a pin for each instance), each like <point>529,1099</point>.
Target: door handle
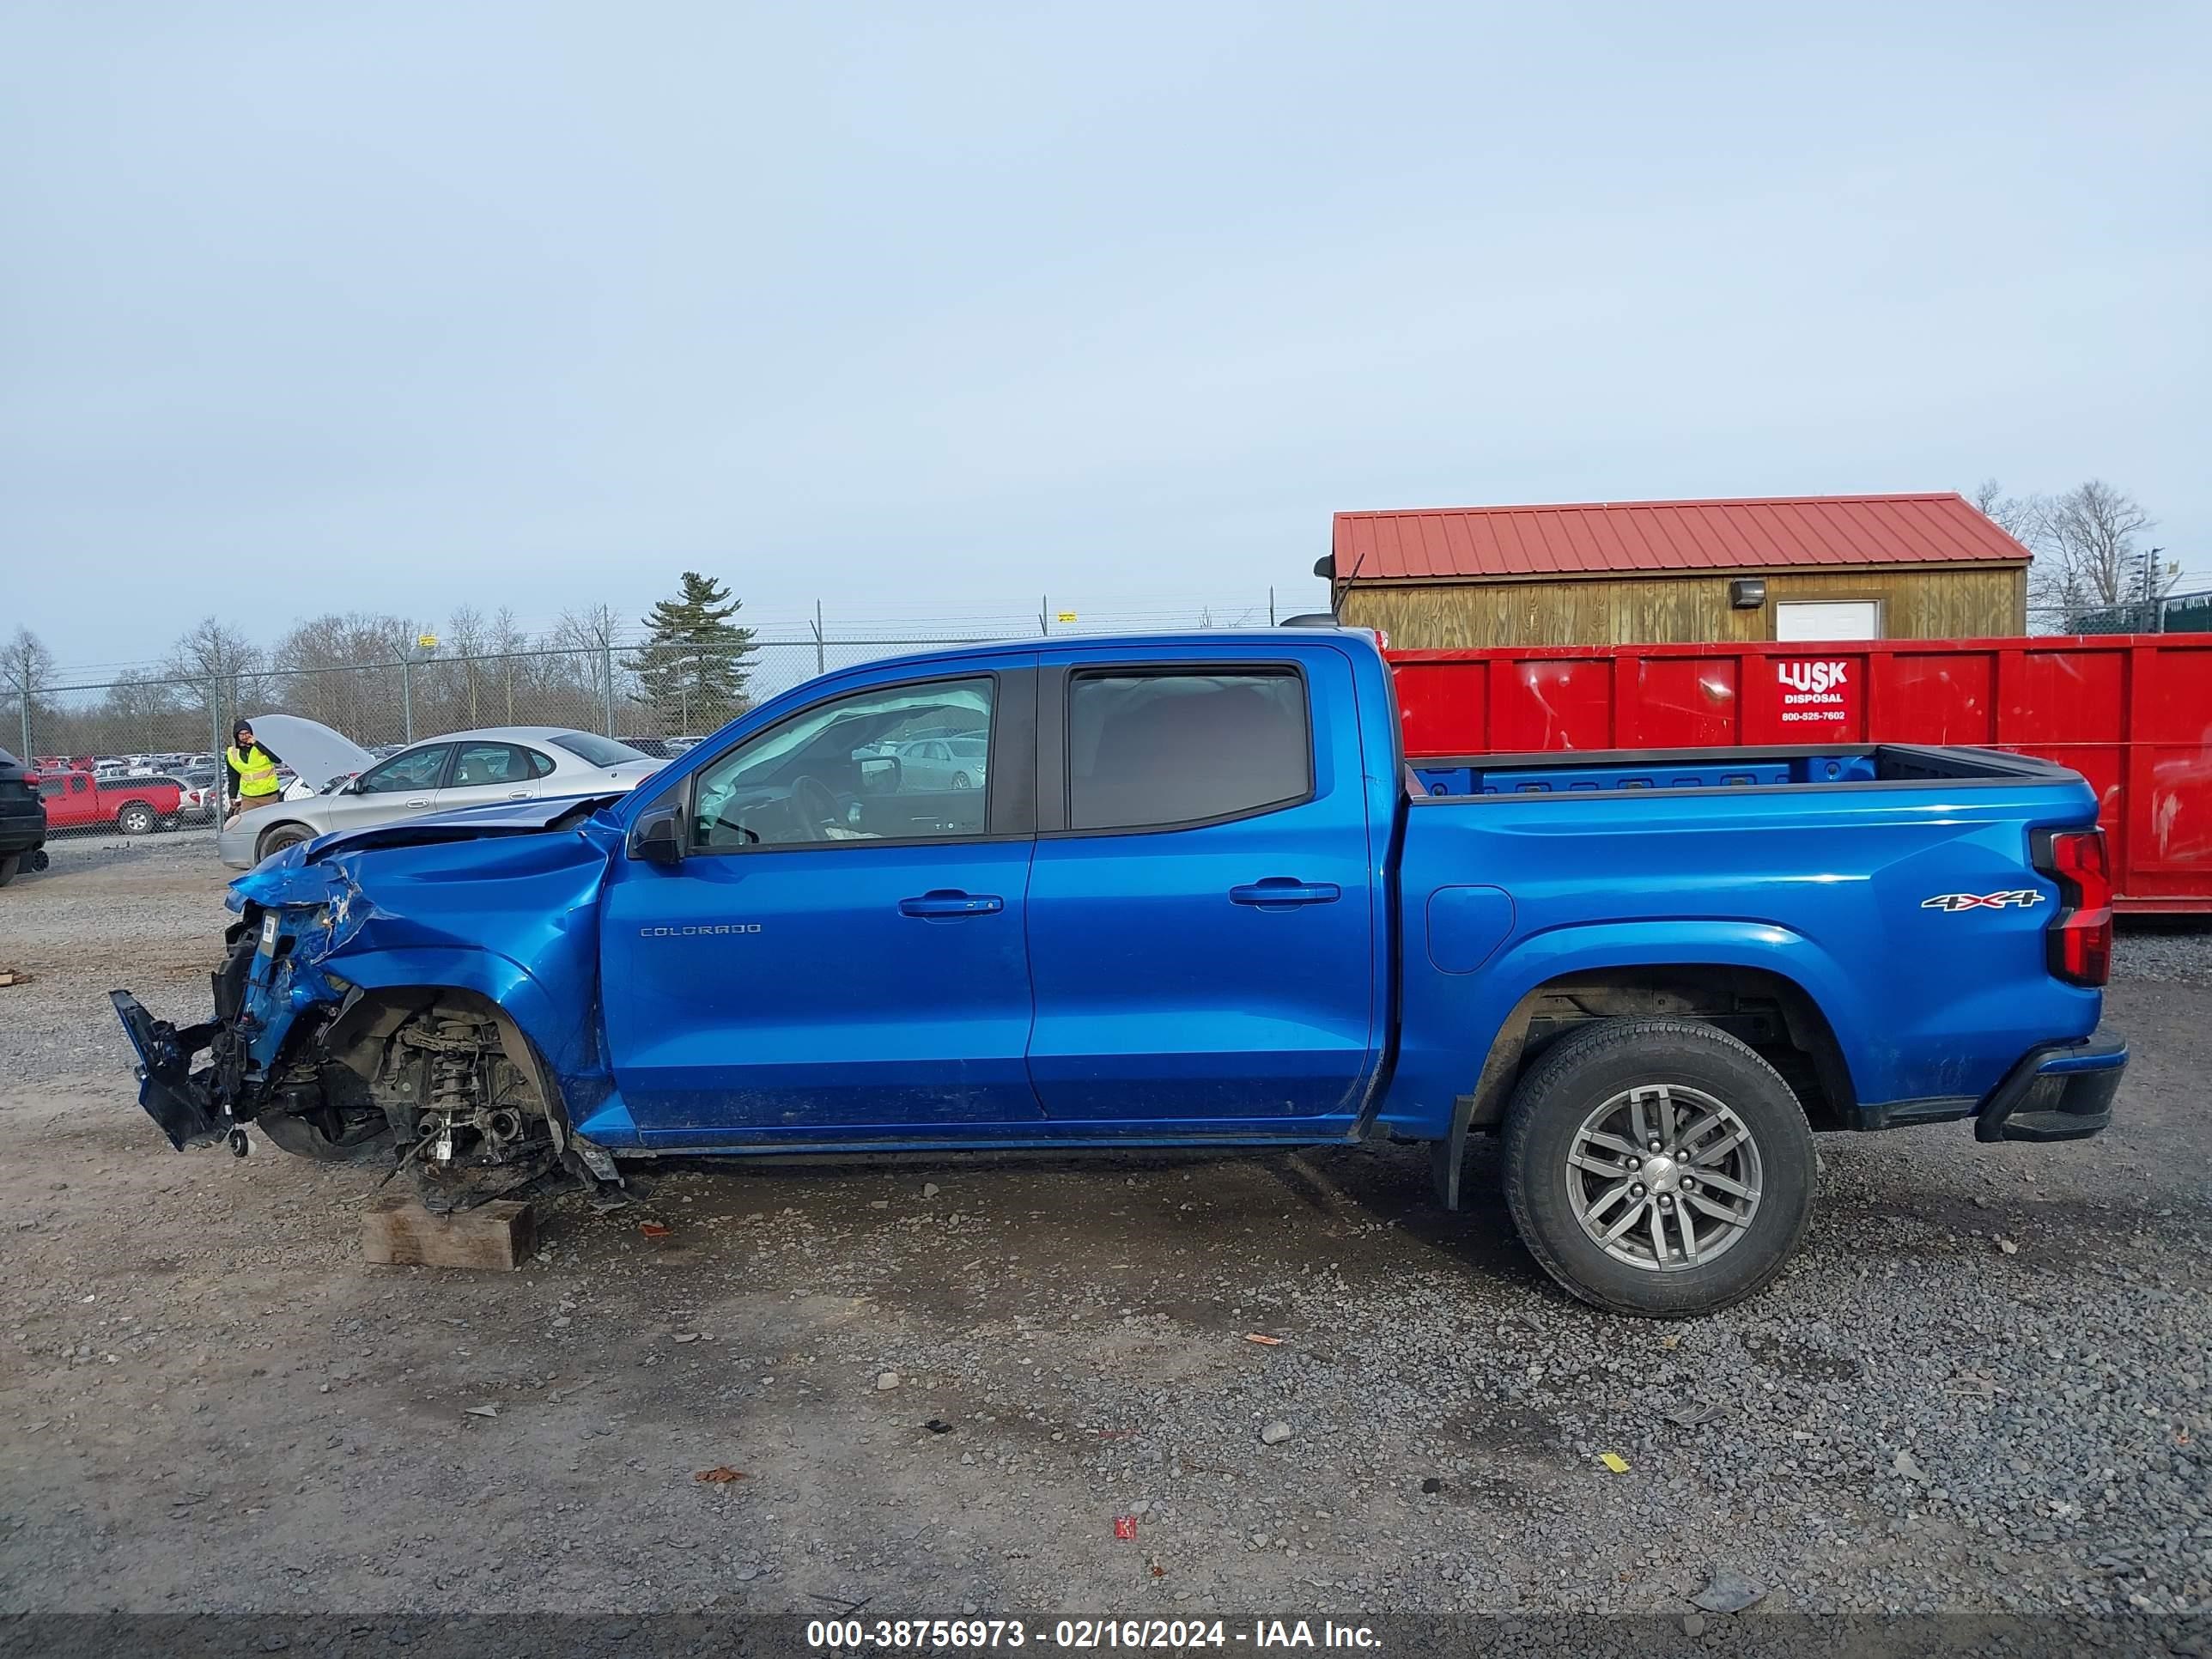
<point>519,794</point>
<point>950,903</point>
<point>1285,893</point>
<point>420,801</point>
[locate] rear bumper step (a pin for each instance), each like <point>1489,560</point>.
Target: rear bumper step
<point>2058,1091</point>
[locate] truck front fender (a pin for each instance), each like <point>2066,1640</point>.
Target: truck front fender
<point>565,1042</point>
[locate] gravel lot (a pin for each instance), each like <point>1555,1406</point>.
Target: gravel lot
<point>1983,1386</point>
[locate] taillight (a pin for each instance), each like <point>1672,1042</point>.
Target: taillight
<point>2080,942</point>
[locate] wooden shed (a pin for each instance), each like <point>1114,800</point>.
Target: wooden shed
<point>1624,573</point>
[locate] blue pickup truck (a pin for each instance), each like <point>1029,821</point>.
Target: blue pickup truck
<point>1193,897</point>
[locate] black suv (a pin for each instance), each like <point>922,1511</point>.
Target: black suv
<point>22,819</point>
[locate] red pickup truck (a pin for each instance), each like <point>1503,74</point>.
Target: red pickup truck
<point>137,806</point>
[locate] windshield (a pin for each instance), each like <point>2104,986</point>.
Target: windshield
<point>596,750</point>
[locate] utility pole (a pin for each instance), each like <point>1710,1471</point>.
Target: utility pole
<point>683,687</point>
<point>821,666</point>
<point>2157,607</point>
<point>426,643</point>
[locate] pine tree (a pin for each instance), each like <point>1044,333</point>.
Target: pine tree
<point>694,669</point>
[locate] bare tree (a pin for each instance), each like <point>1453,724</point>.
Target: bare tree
<point>344,671</point>
<point>220,664</point>
<point>596,628</point>
<point>463,682</point>
<point>590,635</point>
<point>2020,517</point>
<point>27,668</point>
<point>506,642</point>
<point>140,711</point>
<point>2090,549</point>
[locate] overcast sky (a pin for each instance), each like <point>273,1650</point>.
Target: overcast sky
<point>928,309</point>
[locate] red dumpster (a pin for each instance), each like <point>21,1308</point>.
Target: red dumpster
<point>2131,713</point>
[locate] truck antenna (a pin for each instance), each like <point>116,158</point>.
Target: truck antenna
<point>1336,592</point>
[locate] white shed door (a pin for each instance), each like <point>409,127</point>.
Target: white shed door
<point>1827,619</point>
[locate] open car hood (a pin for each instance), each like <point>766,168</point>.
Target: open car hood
<point>311,748</point>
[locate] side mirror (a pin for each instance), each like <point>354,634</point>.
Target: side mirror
<point>658,836</point>
<point>880,775</point>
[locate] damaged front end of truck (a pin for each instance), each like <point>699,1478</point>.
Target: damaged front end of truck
<point>348,1031</point>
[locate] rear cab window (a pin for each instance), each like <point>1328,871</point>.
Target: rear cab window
<point>1155,748</point>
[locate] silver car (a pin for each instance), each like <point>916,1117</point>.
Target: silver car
<point>954,762</point>
<point>462,768</point>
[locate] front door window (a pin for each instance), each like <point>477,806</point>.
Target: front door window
<point>861,768</point>
<point>417,769</point>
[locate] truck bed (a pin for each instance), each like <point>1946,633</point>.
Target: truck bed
<point>1599,773</point>
<point>1891,883</point>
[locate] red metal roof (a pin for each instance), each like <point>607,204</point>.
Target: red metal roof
<point>1596,539</point>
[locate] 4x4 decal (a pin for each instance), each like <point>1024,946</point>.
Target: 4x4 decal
<point>2024,897</point>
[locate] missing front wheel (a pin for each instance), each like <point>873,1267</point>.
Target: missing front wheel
<point>471,1122</point>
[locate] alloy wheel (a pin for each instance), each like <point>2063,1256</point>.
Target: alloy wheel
<point>1663,1177</point>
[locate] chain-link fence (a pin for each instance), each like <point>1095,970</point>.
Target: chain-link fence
<point>2177,613</point>
<point>635,690</point>
<point>606,678</point>
<point>652,692</point>
<point>2172,613</point>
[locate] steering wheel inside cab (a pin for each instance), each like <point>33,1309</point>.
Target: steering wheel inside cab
<point>807,811</point>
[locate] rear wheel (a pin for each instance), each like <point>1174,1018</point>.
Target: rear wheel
<point>1658,1167</point>
<point>137,819</point>
<point>282,836</point>
<point>960,780</point>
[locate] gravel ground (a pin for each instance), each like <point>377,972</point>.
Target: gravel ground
<point>1983,1386</point>
<point>2174,953</point>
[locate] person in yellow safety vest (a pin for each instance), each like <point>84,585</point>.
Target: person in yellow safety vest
<point>250,772</point>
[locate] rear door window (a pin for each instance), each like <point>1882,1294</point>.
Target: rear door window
<point>1153,749</point>
<point>479,764</point>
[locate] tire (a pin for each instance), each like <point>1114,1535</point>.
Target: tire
<point>960,780</point>
<point>366,1140</point>
<point>137,819</point>
<point>276,840</point>
<point>1597,1080</point>
<point>9,863</point>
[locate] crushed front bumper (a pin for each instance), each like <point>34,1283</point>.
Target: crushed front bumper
<point>2058,1091</point>
<point>180,1103</point>
<point>197,1107</point>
